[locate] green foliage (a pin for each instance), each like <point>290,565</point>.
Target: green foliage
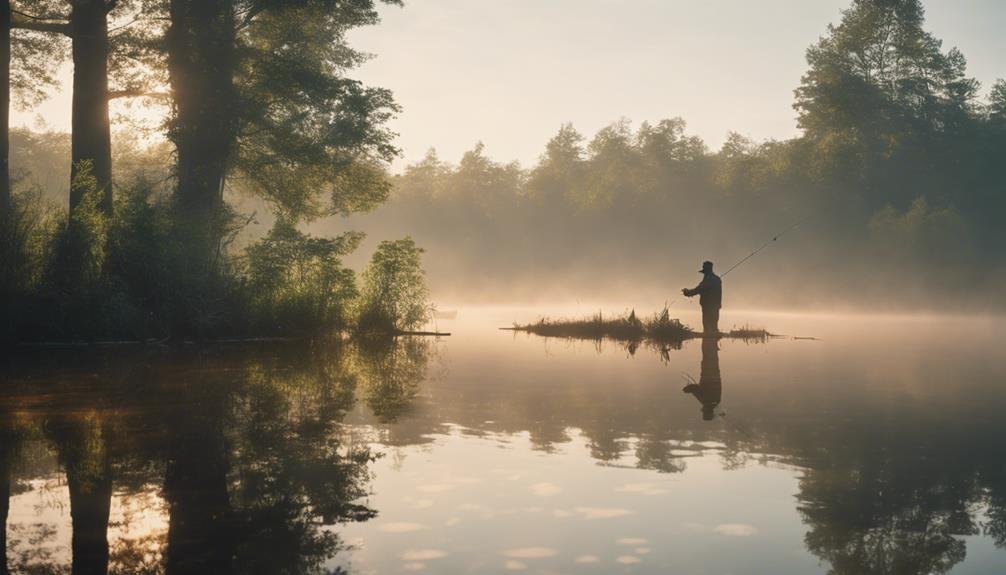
<point>997,103</point>
<point>133,274</point>
<point>394,294</point>
<point>553,181</point>
<point>42,160</point>
<point>88,227</point>
<point>25,240</point>
<point>141,263</point>
<point>38,53</point>
<point>922,233</point>
<point>359,187</point>
<point>36,56</point>
<point>75,271</point>
<point>101,277</point>
<point>880,74</point>
<point>26,244</point>
<point>295,130</point>
<point>305,126</point>
<point>296,283</point>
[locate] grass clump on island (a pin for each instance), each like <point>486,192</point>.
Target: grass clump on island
<point>659,327</point>
<point>749,333</point>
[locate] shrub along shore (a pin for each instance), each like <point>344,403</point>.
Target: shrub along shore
<point>127,277</point>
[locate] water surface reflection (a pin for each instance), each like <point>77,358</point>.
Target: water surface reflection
<point>240,452</point>
<point>871,451</point>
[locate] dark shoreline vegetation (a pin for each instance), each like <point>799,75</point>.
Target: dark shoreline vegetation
<point>659,329</point>
<point>144,242</point>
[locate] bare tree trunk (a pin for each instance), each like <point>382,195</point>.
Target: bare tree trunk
<point>91,141</point>
<point>201,63</point>
<point>5,188</point>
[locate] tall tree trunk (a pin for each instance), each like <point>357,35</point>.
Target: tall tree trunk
<point>91,141</point>
<point>201,61</point>
<point>5,188</point>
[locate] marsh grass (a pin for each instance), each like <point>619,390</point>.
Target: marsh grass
<point>660,327</point>
<point>748,333</point>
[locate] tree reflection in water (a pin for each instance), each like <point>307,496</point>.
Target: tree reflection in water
<point>8,442</point>
<point>244,446</point>
<point>897,503</point>
<point>390,372</point>
<point>239,461</point>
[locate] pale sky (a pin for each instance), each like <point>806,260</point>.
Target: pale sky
<point>510,72</point>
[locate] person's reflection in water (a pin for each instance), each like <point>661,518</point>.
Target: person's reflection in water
<point>709,389</point>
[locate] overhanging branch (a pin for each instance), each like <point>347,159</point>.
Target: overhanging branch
<point>42,27</point>
<point>115,94</point>
<point>23,21</point>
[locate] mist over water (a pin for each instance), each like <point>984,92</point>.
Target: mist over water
<point>631,213</point>
<point>876,444</point>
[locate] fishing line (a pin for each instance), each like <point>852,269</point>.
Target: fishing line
<point>752,254</point>
<point>763,246</point>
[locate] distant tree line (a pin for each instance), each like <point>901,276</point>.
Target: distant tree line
<point>898,178</point>
<point>259,100</point>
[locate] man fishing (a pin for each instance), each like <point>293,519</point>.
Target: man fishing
<point>710,292</point>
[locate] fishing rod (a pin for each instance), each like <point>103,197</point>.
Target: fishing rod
<point>763,246</point>
<point>752,254</point>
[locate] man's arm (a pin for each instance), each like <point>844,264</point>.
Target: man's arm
<point>695,290</point>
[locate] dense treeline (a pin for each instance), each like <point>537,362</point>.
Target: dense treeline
<point>260,102</point>
<point>898,178</point>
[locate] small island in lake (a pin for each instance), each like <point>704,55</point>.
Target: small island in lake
<point>660,327</point>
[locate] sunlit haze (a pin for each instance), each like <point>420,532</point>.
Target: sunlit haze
<point>509,73</point>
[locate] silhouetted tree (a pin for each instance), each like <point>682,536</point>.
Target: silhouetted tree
<point>880,89</point>
<point>27,61</point>
<point>85,22</point>
<point>258,89</point>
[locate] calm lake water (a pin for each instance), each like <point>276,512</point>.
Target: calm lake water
<point>879,447</point>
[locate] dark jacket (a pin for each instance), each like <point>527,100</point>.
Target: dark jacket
<point>709,290</point>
